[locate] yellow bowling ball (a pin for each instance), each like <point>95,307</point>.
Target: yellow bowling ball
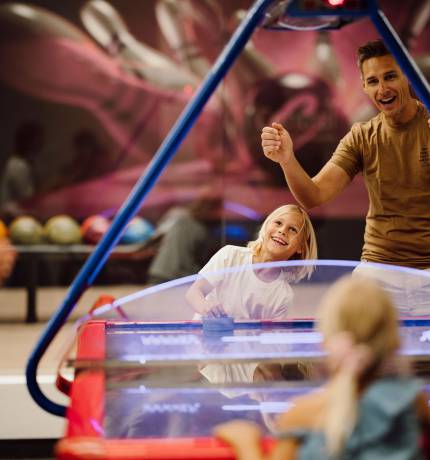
<point>63,229</point>
<point>26,230</point>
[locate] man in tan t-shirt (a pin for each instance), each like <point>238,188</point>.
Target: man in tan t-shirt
<point>392,151</point>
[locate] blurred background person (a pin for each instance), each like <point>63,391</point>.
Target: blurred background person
<point>188,241</point>
<point>18,181</point>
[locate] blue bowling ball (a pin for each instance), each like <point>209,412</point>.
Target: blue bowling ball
<point>138,230</point>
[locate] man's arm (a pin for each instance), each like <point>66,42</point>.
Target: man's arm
<point>309,192</point>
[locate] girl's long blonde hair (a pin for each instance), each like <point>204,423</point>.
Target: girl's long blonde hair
<point>363,310</point>
<point>309,239</point>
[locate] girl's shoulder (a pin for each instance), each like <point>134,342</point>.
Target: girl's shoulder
<point>387,412</point>
<point>233,248</point>
<point>392,393</point>
<point>234,251</point>
<point>230,256</point>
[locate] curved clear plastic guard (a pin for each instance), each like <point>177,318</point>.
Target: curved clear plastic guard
<point>272,307</point>
<point>273,291</point>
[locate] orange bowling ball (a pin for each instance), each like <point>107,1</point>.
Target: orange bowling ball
<point>3,230</point>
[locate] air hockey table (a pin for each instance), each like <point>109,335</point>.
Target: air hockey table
<point>148,387</point>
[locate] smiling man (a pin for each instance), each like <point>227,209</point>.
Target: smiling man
<point>392,151</point>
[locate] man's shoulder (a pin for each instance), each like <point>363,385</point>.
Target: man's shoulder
<point>367,126</point>
<point>358,138</point>
<point>422,111</point>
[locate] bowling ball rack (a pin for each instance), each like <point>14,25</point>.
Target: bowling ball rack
<point>31,257</point>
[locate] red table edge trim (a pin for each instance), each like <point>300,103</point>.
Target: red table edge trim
<point>86,411</point>
<point>79,448</point>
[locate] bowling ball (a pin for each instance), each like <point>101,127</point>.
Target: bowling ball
<point>138,230</point>
<point>3,230</point>
<point>63,229</point>
<point>26,230</point>
<point>93,228</point>
<point>303,104</point>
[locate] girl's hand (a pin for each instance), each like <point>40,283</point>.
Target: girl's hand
<point>214,308</point>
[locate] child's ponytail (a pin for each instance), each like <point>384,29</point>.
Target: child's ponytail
<point>341,412</point>
<point>351,361</point>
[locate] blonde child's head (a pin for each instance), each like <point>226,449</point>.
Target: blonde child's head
<point>361,308</point>
<point>308,246</point>
<point>358,322</point>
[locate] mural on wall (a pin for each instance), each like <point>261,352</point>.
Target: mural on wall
<point>91,89</point>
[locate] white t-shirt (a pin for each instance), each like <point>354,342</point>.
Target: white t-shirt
<point>242,293</point>
<point>229,373</point>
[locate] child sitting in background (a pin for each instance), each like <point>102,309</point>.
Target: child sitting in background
<point>369,409</point>
<point>286,234</point>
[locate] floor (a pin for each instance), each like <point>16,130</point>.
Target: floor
<point>20,417</point>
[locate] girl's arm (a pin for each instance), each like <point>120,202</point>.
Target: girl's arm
<point>196,296</point>
<point>245,439</point>
<point>285,450</point>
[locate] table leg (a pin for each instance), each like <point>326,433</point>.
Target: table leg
<point>31,289</point>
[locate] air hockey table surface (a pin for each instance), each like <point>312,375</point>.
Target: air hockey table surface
<point>151,382</point>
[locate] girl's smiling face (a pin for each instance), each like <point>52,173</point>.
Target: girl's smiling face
<point>283,237</point>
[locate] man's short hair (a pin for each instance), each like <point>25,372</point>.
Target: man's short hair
<point>369,50</point>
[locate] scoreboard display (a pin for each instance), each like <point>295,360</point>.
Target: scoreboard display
<point>330,7</point>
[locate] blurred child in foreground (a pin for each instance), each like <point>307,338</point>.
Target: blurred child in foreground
<point>370,407</point>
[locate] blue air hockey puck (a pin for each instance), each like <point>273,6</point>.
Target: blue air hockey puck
<point>218,323</point>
